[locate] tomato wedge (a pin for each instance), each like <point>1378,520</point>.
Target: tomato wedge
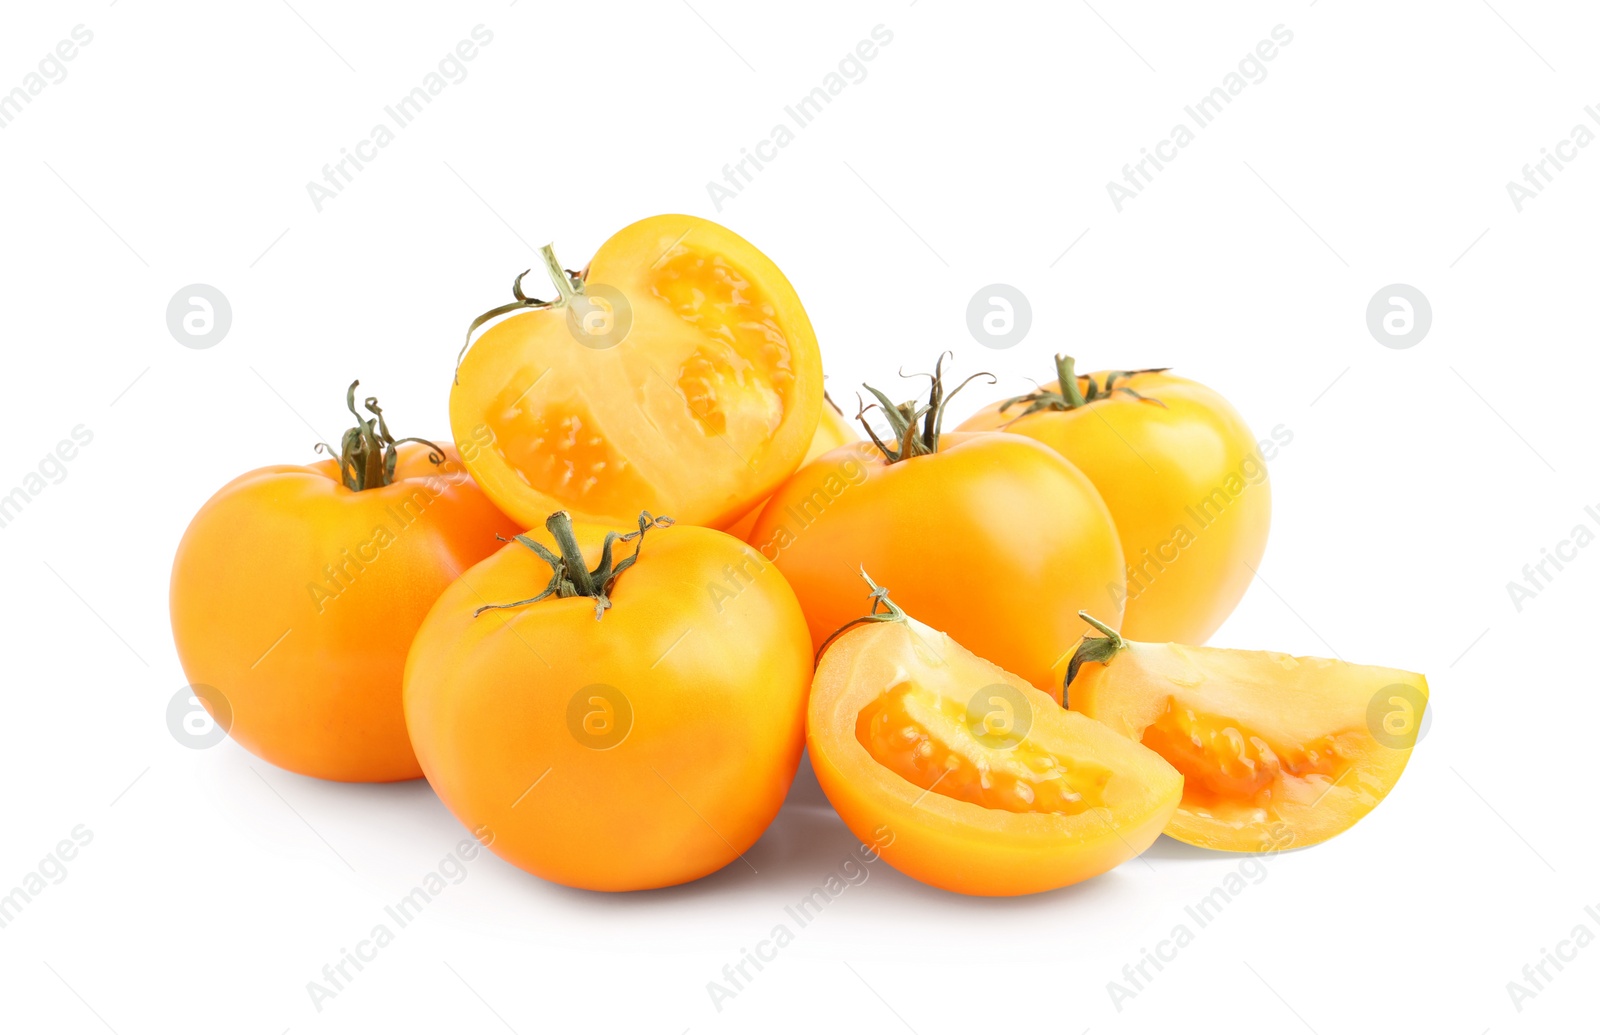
<point>1276,751</point>
<point>678,374</point>
<point>965,776</point>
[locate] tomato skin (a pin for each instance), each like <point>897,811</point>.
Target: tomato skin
<point>833,431</point>
<point>1186,485</point>
<point>994,539</point>
<point>700,411</point>
<point>958,845</point>
<point>313,675</point>
<point>712,670</point>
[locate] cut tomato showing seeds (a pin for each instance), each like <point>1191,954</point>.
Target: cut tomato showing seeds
<point>968,778</point>
<point>1276,751</point>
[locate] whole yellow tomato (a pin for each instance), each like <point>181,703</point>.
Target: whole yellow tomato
<point>296,591</point>
<point>1185,480</point>
<point>635,724</point>
<point>994,539</point>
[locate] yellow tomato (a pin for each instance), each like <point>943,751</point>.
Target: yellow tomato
<point>635,726</point>
<point>993,538</point>
<point>296,591</point>
<point>1183,477</point>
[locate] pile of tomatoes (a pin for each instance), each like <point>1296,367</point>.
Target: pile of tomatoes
<point>656,563</point>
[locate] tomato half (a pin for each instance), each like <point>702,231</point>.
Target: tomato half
<point>296,591</point>
<point>993,538</point>
<point>967,777</point>
<point>637,731</point>
<point>1276,751</point>
<point>1185,480</point>
<point>678,374</point>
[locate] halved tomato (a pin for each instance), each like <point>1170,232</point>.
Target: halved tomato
<point>1276,751</point>
<point>678,374</point>
<point>965,776</point>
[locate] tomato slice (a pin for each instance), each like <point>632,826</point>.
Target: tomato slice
<point>1276,751</point>
<point>966,777</point>
<point>679,375</point>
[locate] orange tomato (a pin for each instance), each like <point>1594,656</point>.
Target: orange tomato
<point>964,775</point>
<point>634,726</point>
<point>994,538</point>
<point>1276,751</point>
<point>678,374</point>
<point>1185,481</point>
<point>296,591</point>
<point>833,431</point>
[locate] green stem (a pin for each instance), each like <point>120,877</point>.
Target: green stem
<point>917,428</point>
<point>1098,649</point>
<point>569,575</point>
<point>880,598</point>
<point>368,452</point>
<point>1068,396</point>
<point>568,285</point>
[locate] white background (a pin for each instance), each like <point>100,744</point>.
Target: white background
<point>977,149</point>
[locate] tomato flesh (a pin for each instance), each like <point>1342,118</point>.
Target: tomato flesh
<point>1223,761</point>
<point>966,777</point>
<point>706,402</point>
<point>925,738</point>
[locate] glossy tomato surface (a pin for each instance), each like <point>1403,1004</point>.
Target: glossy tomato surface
<point>644,748</point>
<point>1186,483</point>
<point>994,538</point>
<point>296,599</point>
